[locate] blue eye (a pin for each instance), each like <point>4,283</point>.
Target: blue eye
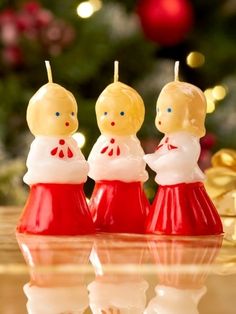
<point>169,109</point>
<point>122,113</point>
<point>57,114</point>
<point>105,113</point>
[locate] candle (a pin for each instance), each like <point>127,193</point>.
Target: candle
<point>57,169</point>
<point>181,205</point>
<point>118,203</point>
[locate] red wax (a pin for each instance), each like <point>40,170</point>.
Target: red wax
<point>119,207</point>
<point>56,209</point>
<point>183,209</point>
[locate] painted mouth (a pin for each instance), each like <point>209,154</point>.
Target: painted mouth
<point>112,123</point>
<point>67,124</point>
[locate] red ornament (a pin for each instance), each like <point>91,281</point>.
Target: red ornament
<point>204,161</point>
<point>12,55</point>
<point>166,22</point>
<point>7,16</point>
<point>32,7</point>
<point>208,141</point>
<point>32,18</point>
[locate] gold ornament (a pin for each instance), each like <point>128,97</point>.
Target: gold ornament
<point>221,181</point>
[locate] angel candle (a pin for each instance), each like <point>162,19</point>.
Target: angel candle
<point>181,205</point>
<point>57,169</point>
<point>118,202</point>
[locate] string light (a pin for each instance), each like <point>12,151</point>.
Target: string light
<point>97,4</point>
<point>86,8</point>
<point>210,100</point>
<point>219,92</point>
<point>208,94</point>
<point>213,95</point>
<point>195,59</point>
<point>210,106</point>
<point>80,139</point>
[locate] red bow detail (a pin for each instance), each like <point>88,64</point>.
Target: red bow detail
<point>169,146</point>
<point>111,149</point>
<point>61,151</point>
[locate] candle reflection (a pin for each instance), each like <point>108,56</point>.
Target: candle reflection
<point>121,265</point>
<point>183,264</point>
<point>51,290</point>
<point>122,292</point>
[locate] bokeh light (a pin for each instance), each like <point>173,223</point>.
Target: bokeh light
<point>87,8</point>
<point>213,95</point>
<point>219,92</point>
<point>210,106</point>
<point>80,139</point>
<point>210,100</point>
<point>195,59</point>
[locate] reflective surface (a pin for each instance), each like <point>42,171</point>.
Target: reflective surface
<point>111,273</point>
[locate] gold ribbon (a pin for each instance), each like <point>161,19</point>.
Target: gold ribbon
<point>221,178</point>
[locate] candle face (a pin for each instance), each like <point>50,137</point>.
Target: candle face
<point>52,111</point>
<point>119,110</point>
<point>181,107</point>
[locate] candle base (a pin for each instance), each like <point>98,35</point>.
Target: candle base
<point>118,206</point>
<point>56,209</point>
<point>183,209</point>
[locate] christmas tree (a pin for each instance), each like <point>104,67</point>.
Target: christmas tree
<point>82,39</point>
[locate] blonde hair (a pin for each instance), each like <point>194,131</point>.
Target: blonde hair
<point>127,95</point>
<point>48,93</point>
<point>193,105</point>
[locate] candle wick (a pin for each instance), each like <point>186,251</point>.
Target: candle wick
<point>176,71</point>
<point>116,71</point>
<point>49,71</point>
